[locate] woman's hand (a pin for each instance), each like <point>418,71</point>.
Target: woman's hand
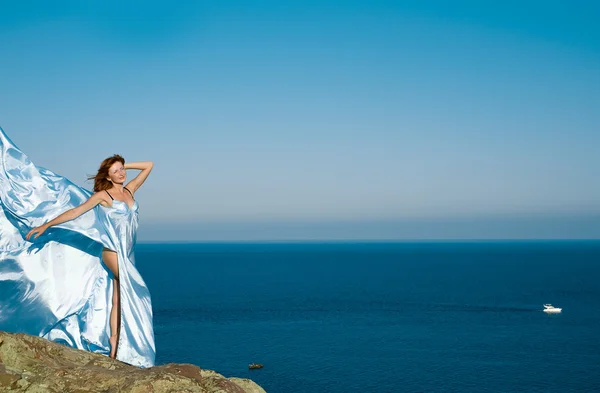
<point>38,231</point>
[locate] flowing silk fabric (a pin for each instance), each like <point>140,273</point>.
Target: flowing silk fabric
<point>56,286</point>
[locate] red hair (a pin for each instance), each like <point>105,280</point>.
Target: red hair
<point>101,182</point>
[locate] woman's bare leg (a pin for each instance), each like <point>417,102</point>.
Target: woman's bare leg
<point>115,319</point>
<point>111,261</point>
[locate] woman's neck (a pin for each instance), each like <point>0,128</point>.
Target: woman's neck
<point>118,187</point>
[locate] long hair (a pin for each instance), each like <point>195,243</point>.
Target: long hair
<point>101,182</point>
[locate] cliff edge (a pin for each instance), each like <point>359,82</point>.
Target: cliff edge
<point>35,365</point>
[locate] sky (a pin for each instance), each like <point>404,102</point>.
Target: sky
<point>318,120</point>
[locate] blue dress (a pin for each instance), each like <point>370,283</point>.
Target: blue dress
<point>56,286</point>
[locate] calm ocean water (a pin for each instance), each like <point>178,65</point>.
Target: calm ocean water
<point>381,317</point>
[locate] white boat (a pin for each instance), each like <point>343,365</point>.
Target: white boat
<point>549,308</point>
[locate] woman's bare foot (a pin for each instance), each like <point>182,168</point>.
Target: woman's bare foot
<point>113,346</point>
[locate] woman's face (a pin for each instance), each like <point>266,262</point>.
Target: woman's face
<point>116,173</point>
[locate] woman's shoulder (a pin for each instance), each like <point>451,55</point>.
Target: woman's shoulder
<point>102,197</point>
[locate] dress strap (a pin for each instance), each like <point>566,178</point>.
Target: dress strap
<point>129,193</point>
<point>109,195</point>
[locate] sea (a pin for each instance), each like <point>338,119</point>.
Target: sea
<point>381,316</point>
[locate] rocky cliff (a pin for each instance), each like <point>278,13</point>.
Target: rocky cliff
<point>34,365</point>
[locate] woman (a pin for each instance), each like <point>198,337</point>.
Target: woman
<point>59,275</point>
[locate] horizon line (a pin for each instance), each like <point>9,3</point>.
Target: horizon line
<point>312,241</point>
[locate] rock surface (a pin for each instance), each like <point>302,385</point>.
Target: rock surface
<point>34,365</point>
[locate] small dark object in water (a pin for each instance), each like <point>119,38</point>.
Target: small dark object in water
<point>253,366</point>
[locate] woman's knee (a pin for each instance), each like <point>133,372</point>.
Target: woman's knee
<point>115,297</point>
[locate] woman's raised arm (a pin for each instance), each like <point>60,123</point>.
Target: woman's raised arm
<point>136,182</point>
<point>69,215</point>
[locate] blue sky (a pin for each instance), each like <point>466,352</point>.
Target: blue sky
<point>279,120</point>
